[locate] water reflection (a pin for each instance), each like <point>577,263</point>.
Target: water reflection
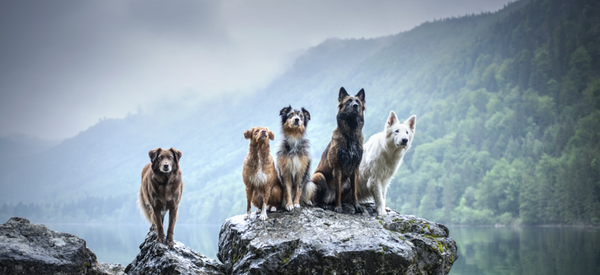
<point>526,250</point>
<point>119,243</point>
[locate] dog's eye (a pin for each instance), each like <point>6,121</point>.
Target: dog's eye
<point>407,132</point>
<point>170,157</point>
<point>397,131</point>
<point>160,157</point>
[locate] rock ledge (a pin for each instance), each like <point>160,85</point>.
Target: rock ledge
<point>311,240</point>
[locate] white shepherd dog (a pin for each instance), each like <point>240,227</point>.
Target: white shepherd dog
<point>382,156</point>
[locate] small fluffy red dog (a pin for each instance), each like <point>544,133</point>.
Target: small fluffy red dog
<point>263,187</point>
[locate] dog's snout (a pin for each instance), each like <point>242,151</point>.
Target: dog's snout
<point>355,104</point>
<point>166,165</point>
<point>297,119</point>
<point>404,141</point>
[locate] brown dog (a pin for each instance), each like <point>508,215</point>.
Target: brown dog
<point>341,158</point>
<point>161,191</point>
<point>263,187</point>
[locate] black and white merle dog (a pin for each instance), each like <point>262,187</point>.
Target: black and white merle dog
<point>293,158</point>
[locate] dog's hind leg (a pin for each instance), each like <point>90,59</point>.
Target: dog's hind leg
<point>321,189</point>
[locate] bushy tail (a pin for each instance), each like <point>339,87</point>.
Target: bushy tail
<point>308,192</point>
<point>144,210</point>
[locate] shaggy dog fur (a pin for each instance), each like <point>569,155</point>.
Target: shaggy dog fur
<point>293,158</point>
<point>161,191</point>
<point>341,159</point>
<point>263,187</point>
<point>382,156</point>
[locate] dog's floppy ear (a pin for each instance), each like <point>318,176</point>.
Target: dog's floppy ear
<point>343,94</point>
<point>392,118</point>
<point>306,114</point>
<point>153,154</point>
<point>285,110</point>
<point>271,135</point>
<point>361,96</point>
<point>177,154</point>
<point>412,122</point>
<point>248,133</point>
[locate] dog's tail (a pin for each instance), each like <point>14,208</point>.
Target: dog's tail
<point>144,209</point>
<point>308,192</point>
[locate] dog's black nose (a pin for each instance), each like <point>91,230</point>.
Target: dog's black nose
<point>297,119</point>
<point>354,104</point>
<point>404,141</point>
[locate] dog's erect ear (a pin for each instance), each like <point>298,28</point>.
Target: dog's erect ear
<point>248,134</point>
<point>361,96</point>
<point>153,154</point>
<point>271,135</point>
<point>343,94</point>
<point>306,114</point>
<point>177,154</point>
<point>285,110</point>
<point>392,118</point>
<point>412,122</point>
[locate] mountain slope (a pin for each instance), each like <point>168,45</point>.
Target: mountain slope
<point>507,128</point>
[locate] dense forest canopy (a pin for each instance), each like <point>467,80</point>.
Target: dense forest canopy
<point>508,126</point>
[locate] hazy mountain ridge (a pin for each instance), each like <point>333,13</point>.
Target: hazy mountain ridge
<point>500,126</point>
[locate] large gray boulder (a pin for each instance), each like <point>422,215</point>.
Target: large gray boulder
<point>311,240</point>
<point>157,258</point>
<point>27,248</point>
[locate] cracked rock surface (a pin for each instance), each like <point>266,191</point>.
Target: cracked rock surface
<point>310,240</point>
<point>27,248</point>
<point>157,258</point>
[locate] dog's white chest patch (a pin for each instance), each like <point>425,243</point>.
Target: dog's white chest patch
<point>294,165</point>
<point>260,178</point>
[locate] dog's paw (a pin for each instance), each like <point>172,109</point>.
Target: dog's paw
<point>273,209</point>
<point>297,205</point>
<point>338,209</point>
<point>309,203</point>
<point>289,207</point>
<point>388,209</point>
<point>381,213</point>
<point>358,208</point>
<point>161,239</point>
<point>263,216</point>
<point>247,216</point>
<point>171,243</point>
<point>258,210</point>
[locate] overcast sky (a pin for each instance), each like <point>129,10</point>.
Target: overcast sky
<point>66,64</point>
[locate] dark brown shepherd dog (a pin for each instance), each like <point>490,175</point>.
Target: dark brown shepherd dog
<point>161,191</point>
<point>341,159</point>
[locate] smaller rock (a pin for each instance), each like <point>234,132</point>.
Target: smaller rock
<point>27,248</point>
<point>157,258</point>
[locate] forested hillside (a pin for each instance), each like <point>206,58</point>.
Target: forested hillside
<point>508,126</point>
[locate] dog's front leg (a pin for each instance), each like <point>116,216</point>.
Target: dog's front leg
<point>353,180</point>
<point>378,196</point>
<point>287,183</point>
<point>297,190</point>
<point>263,215</point>
<point>158,221</point>
<point>249,196</point>
<point>173,209</point>
<point>337,180</point>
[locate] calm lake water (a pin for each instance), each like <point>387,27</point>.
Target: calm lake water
<point>482,250</point>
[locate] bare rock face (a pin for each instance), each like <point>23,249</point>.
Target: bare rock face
<point>27,248</point>
<point>157,258</point>
<point>311,240</point>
